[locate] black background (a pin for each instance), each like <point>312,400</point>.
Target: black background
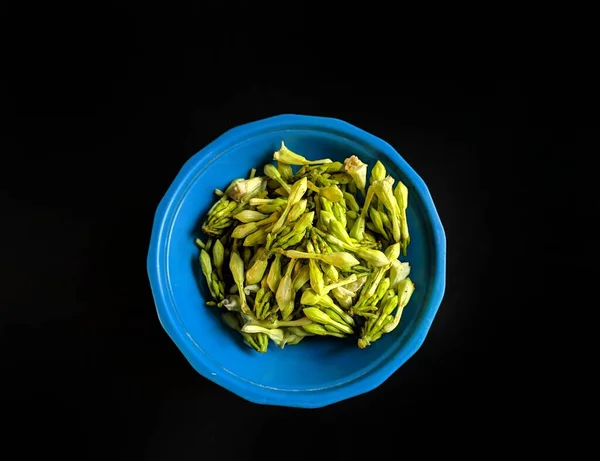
<point>102,111</point>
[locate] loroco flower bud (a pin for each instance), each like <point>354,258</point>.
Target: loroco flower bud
<point>378,222</point>
<point>275,334</point>
<point>274,276</point>
<point>236,266</point>
<point>232,303</point>
<point>284,155</point>
<point>247,216</point>
<point>205,264</point>
<point>358,171</point>
<point>309,298</point>
<point>331,193</point>
<point>315,329</point>
<point>405,290</point>
<point>243,230</point>
<point>301,277</point>
<point>351,202</point>
<point>256,271</point>
<point>398,272</point>
<point>378,172</point>
<point>244,188</point>
<point>340,259</point>
<point>285,293</point>
<point>374,257</point>
<point>393,252</point>
<point>297,210</point>
<point>298,190</point>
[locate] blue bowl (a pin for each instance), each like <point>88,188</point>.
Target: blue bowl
<point>318,371</point>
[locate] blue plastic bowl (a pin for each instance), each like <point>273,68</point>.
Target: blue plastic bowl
<point>318,371</point>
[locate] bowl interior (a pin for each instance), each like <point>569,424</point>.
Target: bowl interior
<point>315,363</point>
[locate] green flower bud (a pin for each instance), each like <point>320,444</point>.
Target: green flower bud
<point>392,252</point>
<point>343,297</point>
<point>271,207</point>
<point>263,342</point>
<point>401,195</point>
<point>357,171</point>
<point>252,341</point>
<point>386,310</point>
<point>302,277</point>
<point>310,298</point>
<point>318,316</point>
<point>283,323</point>
<point>297,210</point>
<point>304,222</point>
<point>351,202</point>
<point>334,315</point>
<point>218,252</point>
<point>333,167</point>
<point>378,222</point>
<point>285,171</point>
<point>257,238</point>
<point>355,286</point>
<point>316,276</point>
<point>398,272</point>
<point>272,172</point>
<point>405,290</point>
<point>331,193</point>
<point>274,276</point>
<point>330,271</point>
<point>378,172</point>
<point>341,178</point>
<point>280,201</point>
<point>384,192</point>
<point>382,289</point>
<point>243,230</point>
<point>246,256</point>
<point>246,188</point>
<point>291,339</point>
<point>338,230</point>
<point>248,216</point>
<point>206,265</point>
<point>236,266</point>
<point>299,331</point>
<point>342,260</point>
<point>285,293</point>
<point>357,230</point>
<point>219,205</point>
<point>282,191</point>
<point>232,303</point>
<point>284,155</point>
<point>375,258</point>
<point>256,271</point>
<point>339,211</point>
<point>315,329</point>
<point>325,217</point>
<point>291,240</point>
<point>275,334</point>
<point>385,219</point>
<point>333,331</point>
<point>298,190</point>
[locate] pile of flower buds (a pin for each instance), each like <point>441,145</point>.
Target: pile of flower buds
<point>310,248</point>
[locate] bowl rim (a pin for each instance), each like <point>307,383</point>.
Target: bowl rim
<point>314,398</point>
